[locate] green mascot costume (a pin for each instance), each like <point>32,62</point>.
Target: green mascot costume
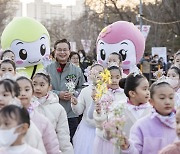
<point>30,42</point>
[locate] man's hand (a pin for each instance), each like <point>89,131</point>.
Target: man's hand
<point>65,95</point>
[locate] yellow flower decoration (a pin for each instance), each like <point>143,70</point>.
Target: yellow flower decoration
<point>98,95</point>
<point>99,91</point>
<point>106,76</point>
<point>101,85</point>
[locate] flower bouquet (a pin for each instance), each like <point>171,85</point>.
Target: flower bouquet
<point>105,101</point>
<point>70,86</point>
<point>71,83</point>
<point>113,128</point>
<point>101,84</point>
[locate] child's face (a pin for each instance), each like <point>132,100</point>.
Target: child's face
<point>163,99</point>
<point>178,123</point>
<point>9,55</point>
<point>172,74</point>
<point>173,78</point>
<point>95,71</point>
<point>5,97</point>
<point>177,61</point>
<point>41,86</point>
<point>7,122</point>
<point>7,68</point>
<point>80,54</point>
<point>115,77</point>
<point>113,60</point>
<point>13,131</point>
<point>141,94</point>
<point>26,92</point>
<point>75,60</point>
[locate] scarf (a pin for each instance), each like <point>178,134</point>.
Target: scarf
<point>34,103</point>
<point>167,120</point>
<point>115,90</point>
<point>140,107</point>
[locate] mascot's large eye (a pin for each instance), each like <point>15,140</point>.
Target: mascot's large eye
<point>123,54</point>
<point>23,54</point>
<point>103,54</point>
<point>43,49</point>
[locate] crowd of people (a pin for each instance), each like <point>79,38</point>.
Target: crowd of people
<point>149,64</point>
<point>41,115</point>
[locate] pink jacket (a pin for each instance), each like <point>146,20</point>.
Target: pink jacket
<point>149,135</point>
<point>48,133</point>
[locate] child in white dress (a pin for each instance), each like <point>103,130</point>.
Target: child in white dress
<point>49,106</point>
<point>136,88</point>
<point>84,137</point>
<point>102,144</point>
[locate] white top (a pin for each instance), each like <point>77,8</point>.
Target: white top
<point>177,98</point>
<point>56,114</point>
<point>137,111</point>
<point>84,102</point>
<point>119,99</point>
<point>20,149</point>
<point>134,113</point>
<point>118,94</point>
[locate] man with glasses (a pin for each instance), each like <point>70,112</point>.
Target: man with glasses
<point>62,71</point>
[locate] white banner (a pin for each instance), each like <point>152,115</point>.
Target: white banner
<point>161,52</point>
<point>86,45</point>
<point>145,30</point>
<point>73,46</point>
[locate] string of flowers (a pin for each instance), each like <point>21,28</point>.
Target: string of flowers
<point>101,84</point>
<point>113,128</point>
<point>105,101</point>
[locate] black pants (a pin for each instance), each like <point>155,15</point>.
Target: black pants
<point>73,123</point>
<point>146,75</point>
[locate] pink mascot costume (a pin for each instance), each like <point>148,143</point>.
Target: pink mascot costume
<point>124,38</point>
